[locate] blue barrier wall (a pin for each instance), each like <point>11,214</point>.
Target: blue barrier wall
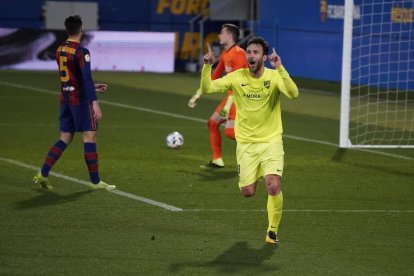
<point>309,44</point>
<point>308,36</point>
<point>21,14</point>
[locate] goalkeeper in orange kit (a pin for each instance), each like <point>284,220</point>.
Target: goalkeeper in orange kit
<point>232,58</point>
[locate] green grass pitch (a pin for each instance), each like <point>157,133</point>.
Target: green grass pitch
<point>346,212</point>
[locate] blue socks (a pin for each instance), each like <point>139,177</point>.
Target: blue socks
<point>52,157</point>
<point>91,159</point>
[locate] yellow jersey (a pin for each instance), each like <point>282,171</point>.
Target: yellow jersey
<point>257,101</point>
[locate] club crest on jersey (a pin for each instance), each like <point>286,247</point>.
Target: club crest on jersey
<point>87,58</point>
<point>266,84</point>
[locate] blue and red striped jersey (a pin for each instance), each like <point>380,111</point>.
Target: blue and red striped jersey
<point>74,63</point>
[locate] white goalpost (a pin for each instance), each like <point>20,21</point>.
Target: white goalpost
<point>377,94</point>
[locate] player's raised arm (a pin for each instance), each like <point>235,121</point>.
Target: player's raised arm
<point>207,85</point>
<point>274,59</point>
<point>209,58</point>
<point>288,87</point>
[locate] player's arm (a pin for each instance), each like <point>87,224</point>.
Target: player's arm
<point>217,72</point>
<point>221,85</point>
<point>207,85</point>
<point>84,61</point>
<point>287,87</point>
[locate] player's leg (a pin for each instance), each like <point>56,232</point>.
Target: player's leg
<point>88,125</point>
<point>91,155</point>
<point>274,206</point>
<point>55,152</point>
<point>248,168</point>
<point>273,169</point>
<point>249,190</point>
<point>229,127</point>
<point>214,123</point>
<point>91,159</point>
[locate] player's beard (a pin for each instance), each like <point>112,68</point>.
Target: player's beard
<point>256,66</point>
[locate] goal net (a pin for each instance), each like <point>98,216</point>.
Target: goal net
<point>377,97</point>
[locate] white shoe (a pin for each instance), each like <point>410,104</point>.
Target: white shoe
<point>102,185</point>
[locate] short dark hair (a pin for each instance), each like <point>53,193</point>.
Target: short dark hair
<point>233,29</point>
<point>73,24</point>
<point>261,41</point>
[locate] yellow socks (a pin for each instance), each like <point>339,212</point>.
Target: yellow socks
<point>274,211</point>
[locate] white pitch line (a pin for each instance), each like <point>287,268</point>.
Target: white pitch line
<point>127,106</point>
<point>149,110</point>
<point>76,180</point>
<point>143,109</point>
<point>147,200</point>
<point>303,211</point>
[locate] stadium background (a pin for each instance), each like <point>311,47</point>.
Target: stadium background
<point>307,36</point>
<point>346,211</point>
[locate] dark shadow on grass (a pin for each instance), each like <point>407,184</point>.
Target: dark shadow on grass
<point>240,258</point>
<point>339,157</point>
<point>49,198</point>
<point>209,175</point>
<point>382,169</point>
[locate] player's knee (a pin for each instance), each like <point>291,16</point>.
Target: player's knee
<point>248,191</point>
<point>66,137</point>
<point>273,190</point>
<point>273,184</point>
<point>89,136</point>
<point>229,132</point>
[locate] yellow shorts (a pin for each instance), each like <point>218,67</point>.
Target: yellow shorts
<point>259,159</point>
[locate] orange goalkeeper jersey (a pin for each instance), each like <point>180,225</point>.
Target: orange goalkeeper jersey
<point>230,60</point>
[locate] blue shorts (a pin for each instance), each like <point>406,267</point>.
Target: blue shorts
<point>77,118</point>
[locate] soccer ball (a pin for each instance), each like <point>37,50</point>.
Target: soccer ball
<point>175,140</point>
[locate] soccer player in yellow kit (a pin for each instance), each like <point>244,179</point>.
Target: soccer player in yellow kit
<point>258,124</point>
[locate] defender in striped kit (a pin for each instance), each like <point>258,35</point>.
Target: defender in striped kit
<point>79,107</point>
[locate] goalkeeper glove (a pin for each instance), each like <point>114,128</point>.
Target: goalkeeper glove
<point>224,112</point>
<point>192,102</point>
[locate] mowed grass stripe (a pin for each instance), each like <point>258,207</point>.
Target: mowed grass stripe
<point>301,211</point>
<point>169,114</point>
<point>176,209</point>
